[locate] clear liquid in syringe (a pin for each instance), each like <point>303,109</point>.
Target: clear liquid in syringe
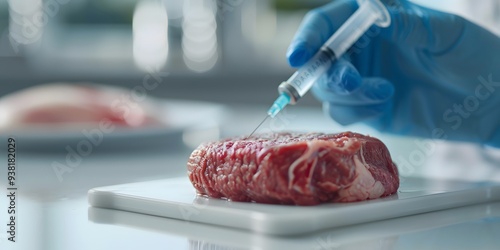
<point>303,79</point>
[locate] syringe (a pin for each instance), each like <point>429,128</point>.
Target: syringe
<point>369,12</point>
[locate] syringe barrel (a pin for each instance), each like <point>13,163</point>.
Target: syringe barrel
<point>303,79</point>
<point>369,12</point>
<point>353,28</point>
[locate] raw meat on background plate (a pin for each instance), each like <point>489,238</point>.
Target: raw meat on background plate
<point>292,168</point>
<point>61,105</point>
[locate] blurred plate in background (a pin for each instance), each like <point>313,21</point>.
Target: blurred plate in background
<point>183,124</point>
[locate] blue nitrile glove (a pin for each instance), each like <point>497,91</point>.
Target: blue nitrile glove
<point>429,74</point>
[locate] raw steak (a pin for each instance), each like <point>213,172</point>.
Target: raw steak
<point>61,105</point>
<point>292,168</point>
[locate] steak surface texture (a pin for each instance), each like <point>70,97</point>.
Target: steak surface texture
<point>294,168</point>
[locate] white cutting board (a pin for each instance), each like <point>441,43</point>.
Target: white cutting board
<point>176,198</point>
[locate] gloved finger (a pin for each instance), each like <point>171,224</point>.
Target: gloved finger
<point>372,91</point>
<point>371,100</point>
<point>342,79</point>
<point>348,114</point>
<point>318,25</point>
<point>416,26</point>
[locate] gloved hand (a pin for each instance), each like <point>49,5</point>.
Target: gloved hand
<point>429,73</point>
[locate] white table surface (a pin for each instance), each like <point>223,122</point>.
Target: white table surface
<point>55,215</point>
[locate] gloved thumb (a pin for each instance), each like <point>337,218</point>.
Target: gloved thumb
<point>411,25</point>
<point>318,25</point>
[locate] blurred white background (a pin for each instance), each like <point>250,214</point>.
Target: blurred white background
<point>221,48</point>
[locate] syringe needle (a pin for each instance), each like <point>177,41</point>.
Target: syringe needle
<point>260,124</point>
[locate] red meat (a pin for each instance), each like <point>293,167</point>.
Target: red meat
<point>292,168</point>
<point>61,105</point>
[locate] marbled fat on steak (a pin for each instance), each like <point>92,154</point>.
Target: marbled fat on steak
<point>292,168</point>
